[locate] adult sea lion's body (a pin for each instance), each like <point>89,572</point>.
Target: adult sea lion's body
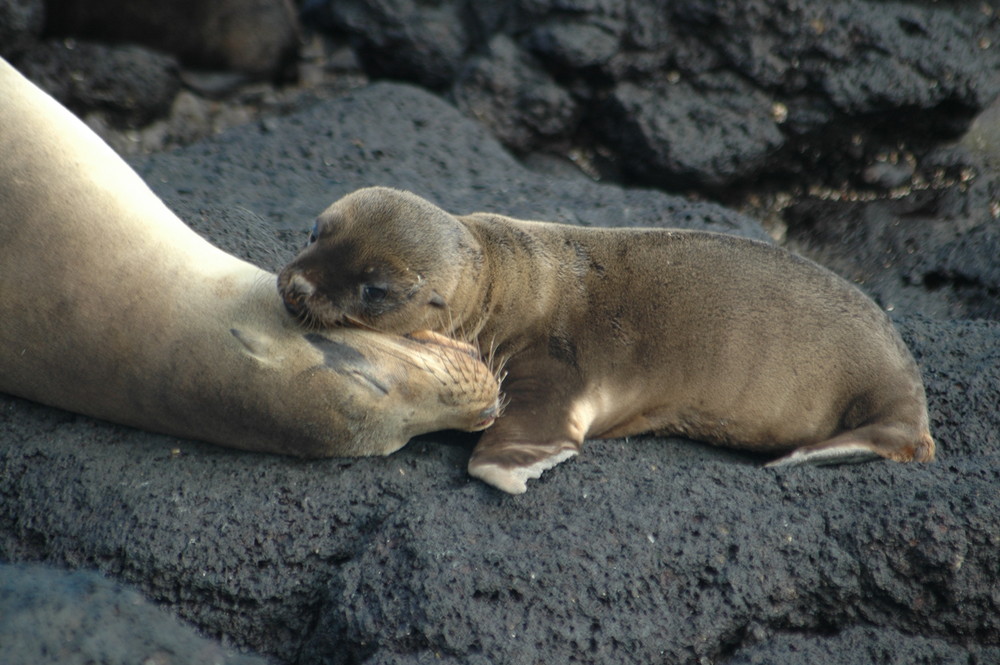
<point>112,307</point>
<point>611,332</point>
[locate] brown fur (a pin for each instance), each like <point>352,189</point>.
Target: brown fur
<point>612,332</point>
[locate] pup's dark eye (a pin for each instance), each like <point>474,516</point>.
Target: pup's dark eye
<point>373,293</point>
<point>314,233</point>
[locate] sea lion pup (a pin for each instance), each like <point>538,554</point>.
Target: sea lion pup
<point>612,332</point>
<point>112,307</point>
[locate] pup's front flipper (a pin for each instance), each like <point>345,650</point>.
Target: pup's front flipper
<point>544,424</point>
<point>508,465</point>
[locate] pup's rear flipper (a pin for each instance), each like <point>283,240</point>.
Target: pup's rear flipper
<point>892,442</point>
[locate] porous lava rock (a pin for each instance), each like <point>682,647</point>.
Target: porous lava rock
<point>256,37</point>
<point>131,84</point>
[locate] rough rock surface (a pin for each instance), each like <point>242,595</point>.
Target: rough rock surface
<point>862,645</point>
<point>414,40</point>
<point>640,550</point>
<point>79,617</point>
<point>931,251</point>
<point>675,139</point>
<point>509,93</point>
<point>704,94</point>
<point>21,23</point>
<point>722,97</point>
<point>256,37</point>
<point>132,84</point>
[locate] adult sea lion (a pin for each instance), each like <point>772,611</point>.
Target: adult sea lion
<point>112,307</point>
<point>612,332</point>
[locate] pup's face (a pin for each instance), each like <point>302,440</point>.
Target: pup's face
<point>377,258</point>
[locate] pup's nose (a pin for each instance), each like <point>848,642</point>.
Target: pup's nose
<point>294,300</point>
<point>294,294</point>
<point>294,307</point>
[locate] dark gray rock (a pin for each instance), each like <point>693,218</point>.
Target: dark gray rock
<point>867,57</point>
<point>423,145</point>
<point>933,251</point>
<point>414,40</point>
<point>576,45</point>
<point>960,358</point>
<point>133,85</point>
<point>898,73</point>
<point>256,37</point>
<point>520,104</point>
<point>705,94</point>
<point>704,133</point>
<point>640,550</point>
<point>21,23</point>
<point>891,72</point>
<point>51,616</point>
<point>715,96</point>
<point>862,645</point>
